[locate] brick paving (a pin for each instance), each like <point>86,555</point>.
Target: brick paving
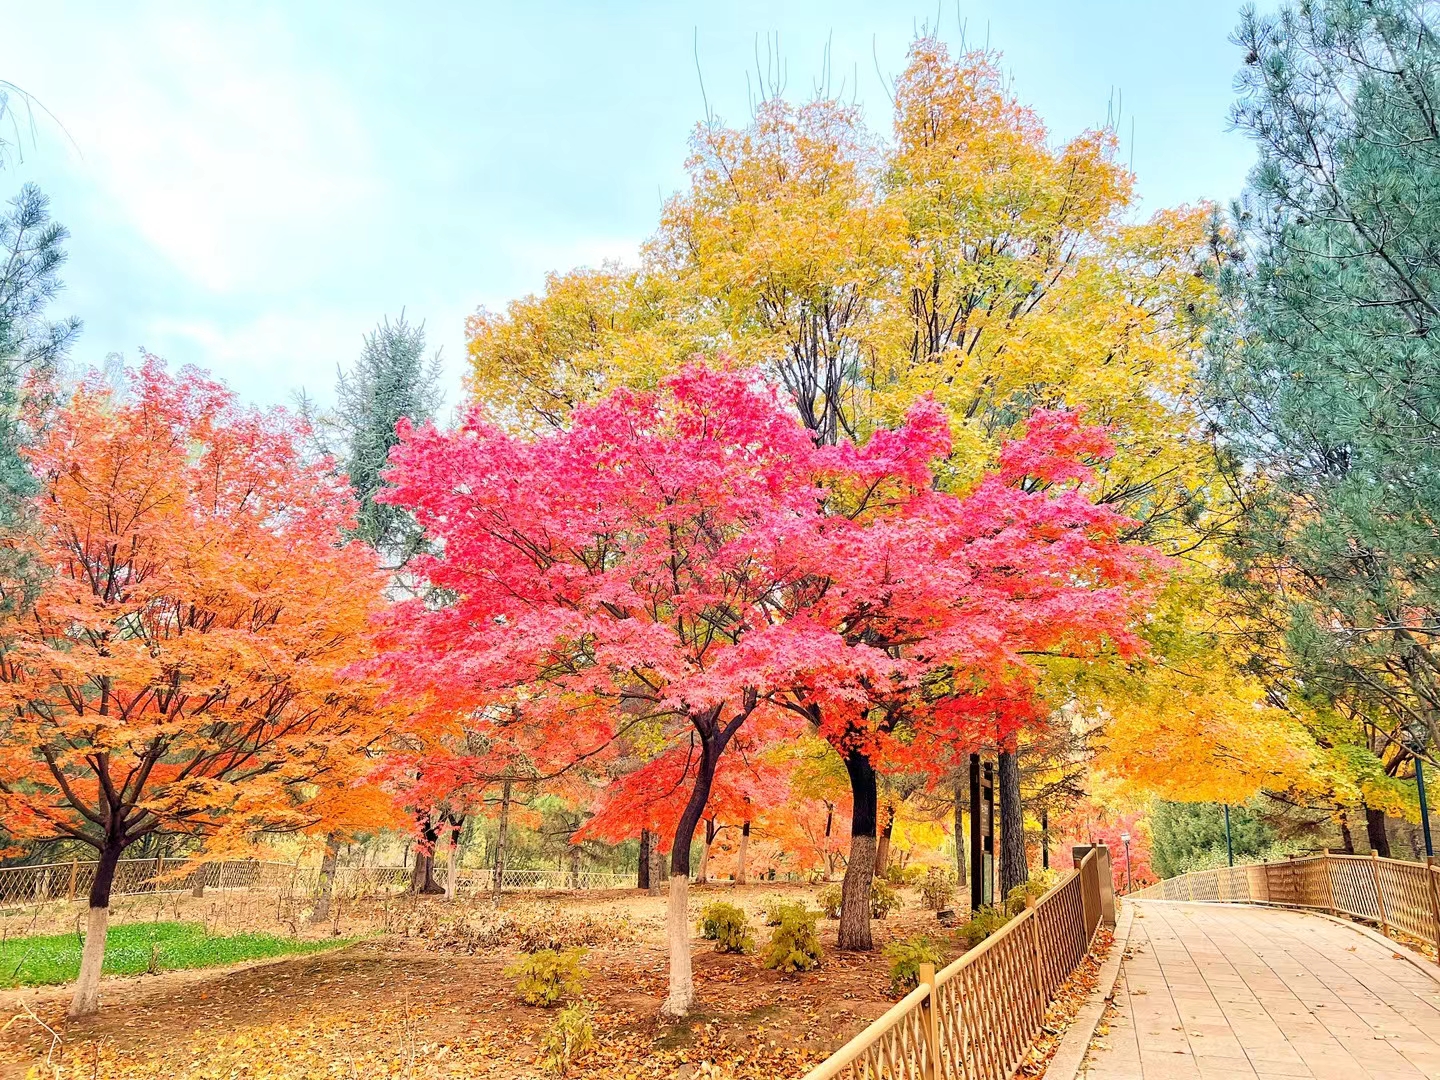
<point>1244,993</point>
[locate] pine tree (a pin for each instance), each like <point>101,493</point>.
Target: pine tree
<point>1327,375</point>
<point>32,251</point>
<point>393,379</point>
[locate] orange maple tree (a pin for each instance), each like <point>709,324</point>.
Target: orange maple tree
<point>180,672</point>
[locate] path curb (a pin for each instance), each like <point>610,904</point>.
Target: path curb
<point>1070,1054</point>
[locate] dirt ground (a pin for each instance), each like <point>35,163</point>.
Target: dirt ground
<point>426,1000</point>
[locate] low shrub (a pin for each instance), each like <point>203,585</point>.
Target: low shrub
<point>893,874</point>
<point>914,874</point>
<point>830,899</point>
<point>937,891</point>
<point>568,1038</point>
<point>795,944</point>
<point>981,925</point>
<point>905,958</point>
<point>1041,882</point>
<point>727,926</point>
<point>776,909</point>
<point>545,976</point>
<point>883,899</point>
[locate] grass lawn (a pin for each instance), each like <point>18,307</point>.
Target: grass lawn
<point>136,948</point>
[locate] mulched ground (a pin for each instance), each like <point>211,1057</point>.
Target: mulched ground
<point>423,1007</point>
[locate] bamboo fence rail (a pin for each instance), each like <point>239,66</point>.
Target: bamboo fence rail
<point>1391,893</point>
<point>977,1017</point>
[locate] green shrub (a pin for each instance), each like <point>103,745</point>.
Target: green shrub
<point>1039,884</point>
<point>981,925</point>
<point>727,926</point>
<point>905,958</point>
<point>568,1038</point>
<point>830,900</point>
<point>776,910</point>
<point>938,888</point>
<point>795,945</point>
<point>913,874</point>
<point>545,976</point>
<point>883,899</point>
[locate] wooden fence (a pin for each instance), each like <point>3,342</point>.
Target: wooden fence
<point>976,1018</point>
<point>1388,892</point>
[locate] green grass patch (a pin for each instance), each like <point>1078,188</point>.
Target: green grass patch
<point>137,948</point>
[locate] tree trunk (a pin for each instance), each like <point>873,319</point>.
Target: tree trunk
<point>327,878</point>
<point>740,878</point>
<point>575,867</point>
<point>960,880</point>
<point>1347,839</point>
<point>422,878</point>
<point>681,995</point>
<point>657,867</point>
<point>882,845</point>
<point>452,860</point>
<point>642,878</point>
<point>1375,831</point>
<point>1014,864</point>
<point>854,930</point>
<point>501,831</point>
<point>702,875</point>
<point>86,1000</point>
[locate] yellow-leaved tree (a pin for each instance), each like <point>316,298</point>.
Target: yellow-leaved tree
<point>970,257</point>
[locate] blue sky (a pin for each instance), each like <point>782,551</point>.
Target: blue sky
<point>251,186</point>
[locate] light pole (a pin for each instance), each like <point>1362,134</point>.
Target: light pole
<point>1125,839</point>
<point>1229,847</point>
<point>1424,806</point>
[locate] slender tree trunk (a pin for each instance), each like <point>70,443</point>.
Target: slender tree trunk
<point>1375,831</point>
<point>86,1000</point>
<point>702,875</point>
<point>1014,864</point>
<point>452,859</point>
<point>1347,839</point>
<point>854,930</point>
<point>327,878</point>
<point>681,995</point>
<point>642,878</point>
<point>575,866</point>
<point>960,880</point>
<point>657,867</point>
<point>882,845</point>
<point>740,877</point>
<point>501,832</point>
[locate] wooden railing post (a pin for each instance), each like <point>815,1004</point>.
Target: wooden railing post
<point>1379,896</point>
<point>1038,972</point>
<point>74,870</point>
<point>930,1022</point>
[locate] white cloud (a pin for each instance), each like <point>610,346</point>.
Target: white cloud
<point>240,166</point>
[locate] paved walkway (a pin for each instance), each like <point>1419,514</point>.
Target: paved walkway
<point>1239,993</point>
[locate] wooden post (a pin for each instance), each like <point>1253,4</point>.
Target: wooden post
<point>1329,883</point>
<point>931,1019</point>
<point>1038,970</point>
<point>74,871</point>
<point>1379,897</point>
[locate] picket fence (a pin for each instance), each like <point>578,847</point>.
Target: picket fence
<point>977,1018</point>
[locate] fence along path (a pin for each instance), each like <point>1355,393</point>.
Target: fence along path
<point>1390,893</point>
<point>24,886</point>
<point>976,1018</point>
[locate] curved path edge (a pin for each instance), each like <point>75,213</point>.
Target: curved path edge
<point>1070,1054</point>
